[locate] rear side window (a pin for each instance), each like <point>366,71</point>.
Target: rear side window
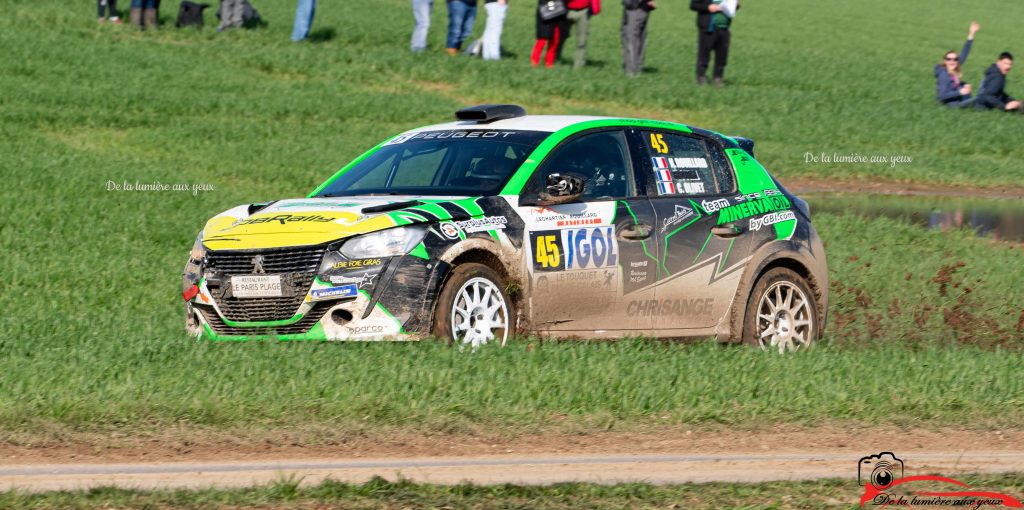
<point>681,164</point>
<point>722,169</point>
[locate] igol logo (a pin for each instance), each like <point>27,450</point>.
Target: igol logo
<point>290,218</point>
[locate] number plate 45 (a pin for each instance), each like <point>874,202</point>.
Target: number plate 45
<point>574,248</point>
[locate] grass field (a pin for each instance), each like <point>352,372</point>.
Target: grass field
<point>379,493</point>
<point>91,337</point>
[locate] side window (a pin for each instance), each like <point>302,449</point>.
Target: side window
<point>723,170</point>
<point>601,158</point>
<point>681,164</point>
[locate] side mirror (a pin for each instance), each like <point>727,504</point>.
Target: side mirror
<point>562,188</point>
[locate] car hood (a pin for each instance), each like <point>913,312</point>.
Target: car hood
<point>311,221</point>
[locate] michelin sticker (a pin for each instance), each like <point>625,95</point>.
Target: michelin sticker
<point>335,292</point>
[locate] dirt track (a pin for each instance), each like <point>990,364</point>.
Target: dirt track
<point>667,457</point>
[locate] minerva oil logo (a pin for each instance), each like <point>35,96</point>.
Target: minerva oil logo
<point>886,485</point>
<point>752,208</point>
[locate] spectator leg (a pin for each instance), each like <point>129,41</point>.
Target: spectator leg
<point>492,33</point>
<point>642,40</point>
<point>549,57</point>
<point>581,19</point>
<point>634,36</point>
<point>627,42</point>
<point>538,48</point>
<point>456,13</point>
<point>303,19</point>
<point>135,15</point>
<point>466,28</point>
<point>721,52</point>
<point>705,41</point>
<point>421,14</point>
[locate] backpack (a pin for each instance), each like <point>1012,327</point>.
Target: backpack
<point>250,16</point>
<point>190,14</point>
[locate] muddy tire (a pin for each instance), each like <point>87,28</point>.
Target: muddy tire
<point>473,308</point>
<point>781,314</point>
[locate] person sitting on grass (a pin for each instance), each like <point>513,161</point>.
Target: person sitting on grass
<point>951,90</point>
<point>992,96</point>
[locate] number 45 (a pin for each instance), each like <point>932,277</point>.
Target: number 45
<point>658,143</point>
<point>547,252</point>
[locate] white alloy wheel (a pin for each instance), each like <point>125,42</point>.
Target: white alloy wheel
<point>784,318</point>
<point>479,314</point>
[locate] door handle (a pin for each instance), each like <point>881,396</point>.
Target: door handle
<point>636,232</point>
<point>728,230</point>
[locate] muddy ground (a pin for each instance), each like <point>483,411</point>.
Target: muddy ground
<point>675,440</point>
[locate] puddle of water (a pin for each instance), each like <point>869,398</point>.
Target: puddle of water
<point>994,218</point>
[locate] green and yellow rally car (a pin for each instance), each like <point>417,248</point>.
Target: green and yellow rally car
<point>503,223</point>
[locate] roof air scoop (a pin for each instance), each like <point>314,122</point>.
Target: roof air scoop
<point>485,113</point>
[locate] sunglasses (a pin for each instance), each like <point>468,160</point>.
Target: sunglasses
<point>952,59</point>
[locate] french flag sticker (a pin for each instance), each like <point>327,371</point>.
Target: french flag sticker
<point>664,175</point>
<point>667,188</point>
<point>660,162</point>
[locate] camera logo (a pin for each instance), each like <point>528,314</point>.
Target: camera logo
<point>879,470</point>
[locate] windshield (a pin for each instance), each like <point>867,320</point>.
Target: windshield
<point>442,163</point>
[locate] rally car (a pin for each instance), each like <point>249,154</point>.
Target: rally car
<point>503,223</point>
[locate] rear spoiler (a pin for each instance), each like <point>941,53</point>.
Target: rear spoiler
<point>745,143</point>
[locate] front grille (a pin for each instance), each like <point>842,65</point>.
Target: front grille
<point>262,309</point>
<point>297,267</point>
<point>302,326</point>
<point>280,260</point>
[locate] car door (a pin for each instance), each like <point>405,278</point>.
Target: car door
<point>700,257</point>
<point>588,259</point>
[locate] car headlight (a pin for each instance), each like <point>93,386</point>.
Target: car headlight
<point>384,243</point>
<point>198,250</point>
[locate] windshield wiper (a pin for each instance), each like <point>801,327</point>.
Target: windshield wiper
<point>394,206</point>
<point>346,194</point>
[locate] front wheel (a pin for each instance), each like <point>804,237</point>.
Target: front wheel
<point>473,308</point>
<point>781,313</point>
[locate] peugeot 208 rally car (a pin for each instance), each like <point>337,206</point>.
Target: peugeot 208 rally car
<point>503,223</point>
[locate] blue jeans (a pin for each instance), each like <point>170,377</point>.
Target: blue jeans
<point>143,4</point>
<point>303,19</point>
<point>421,13</point>
<point>460,22</point>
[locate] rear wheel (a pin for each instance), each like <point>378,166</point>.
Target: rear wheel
<point>781,313</point>
<point>473,308</point>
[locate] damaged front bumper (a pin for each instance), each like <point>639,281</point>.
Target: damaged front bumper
<point>318,294</point>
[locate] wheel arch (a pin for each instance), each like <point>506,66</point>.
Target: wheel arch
<point>487,253</point>
<point>794,261</point>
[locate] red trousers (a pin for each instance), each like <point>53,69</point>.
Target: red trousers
<point>538,47</point>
